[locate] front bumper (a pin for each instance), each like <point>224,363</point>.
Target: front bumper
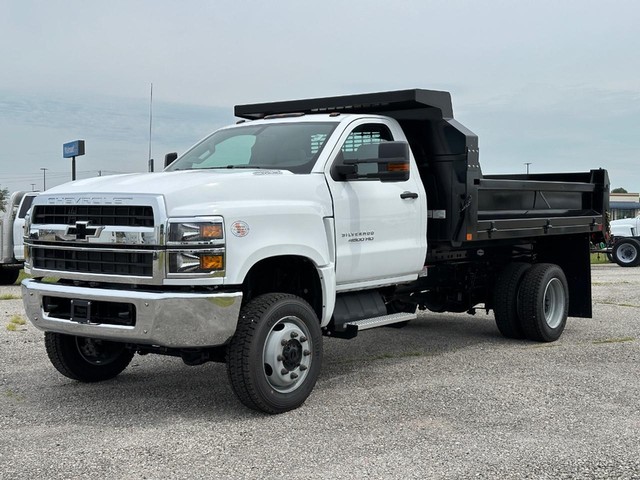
<point>174,320</point>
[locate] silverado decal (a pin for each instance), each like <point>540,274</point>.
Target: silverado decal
<point>359,236</point>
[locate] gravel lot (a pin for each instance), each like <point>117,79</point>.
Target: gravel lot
<point>445,397</point>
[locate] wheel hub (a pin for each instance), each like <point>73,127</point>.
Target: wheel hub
<point>627,253</point>
<point>98,352</point>
<point>287,354</point>
<point>292,354</point>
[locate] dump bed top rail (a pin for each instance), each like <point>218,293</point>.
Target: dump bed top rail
<point>396,104</point>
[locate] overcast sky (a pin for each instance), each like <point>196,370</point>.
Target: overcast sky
<point>553,83</point>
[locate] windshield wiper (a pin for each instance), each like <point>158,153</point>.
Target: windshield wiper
<point>242,166</point>
<point>230,167</point>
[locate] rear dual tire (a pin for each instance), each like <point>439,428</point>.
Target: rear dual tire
<point>543,302</point>
<point>506,299</point>
<point>531,301</point>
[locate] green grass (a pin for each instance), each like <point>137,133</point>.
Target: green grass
<point>15,322</point>
<point>12,395</point>
<point>23,275</point>
<point>8,296</point>
<point>599,258</point>
<point>614,340</point>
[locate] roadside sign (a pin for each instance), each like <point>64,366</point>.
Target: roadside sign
<point>73,149</point>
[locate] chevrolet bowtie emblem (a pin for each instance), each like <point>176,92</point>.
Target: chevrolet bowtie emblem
<point>82,230</point>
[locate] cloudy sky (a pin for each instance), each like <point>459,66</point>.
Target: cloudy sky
<point>554,83</point>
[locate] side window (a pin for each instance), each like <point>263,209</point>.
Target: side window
<point>361,144</point>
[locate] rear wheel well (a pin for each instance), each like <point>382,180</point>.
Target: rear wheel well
<point>285,274</point>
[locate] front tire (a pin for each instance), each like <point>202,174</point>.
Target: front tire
<point>86,359</point>
<point>626,252</point>
<point>274,359</point>
<point>543,302</point>
<point>8,276</point>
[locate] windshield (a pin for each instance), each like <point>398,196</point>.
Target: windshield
<point>286,146</point>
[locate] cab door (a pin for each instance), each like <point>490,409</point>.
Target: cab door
<point>380,225</point>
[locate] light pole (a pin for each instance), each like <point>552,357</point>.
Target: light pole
<point>527,165</point>
<point>33,187</point>
<point>44,178</point>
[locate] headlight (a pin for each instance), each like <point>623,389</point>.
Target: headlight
<point>196,246</point>
<point>195,232</point>
<point>196,261</point>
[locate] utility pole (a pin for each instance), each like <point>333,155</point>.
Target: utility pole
<point>527,164</point>
<point>44,178</point>
<point>150,161</point>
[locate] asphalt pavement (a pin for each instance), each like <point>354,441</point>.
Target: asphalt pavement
<point>445,397</point>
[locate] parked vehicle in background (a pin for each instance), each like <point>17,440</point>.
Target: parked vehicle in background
<point>625,241</point>
<point>12,235</point>
<point>325,216</point>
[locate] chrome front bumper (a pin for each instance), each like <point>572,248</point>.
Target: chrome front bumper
<point>175,320</point>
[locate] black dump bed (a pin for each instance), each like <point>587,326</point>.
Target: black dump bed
<point>464,205</point>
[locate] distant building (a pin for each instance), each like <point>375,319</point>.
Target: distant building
<point>624,205</point>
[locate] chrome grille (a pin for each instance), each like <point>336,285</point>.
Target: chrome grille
<point>117,215</point>
<point>138,264</point>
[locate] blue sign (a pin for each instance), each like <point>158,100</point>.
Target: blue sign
<point>73,149</point>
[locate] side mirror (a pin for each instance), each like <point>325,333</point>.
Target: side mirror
<point>390,160</point>
<point>169,158</point>
<point>346,170</point>
<point>393,164</point>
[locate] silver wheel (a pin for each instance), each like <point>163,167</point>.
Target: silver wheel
<point>287,354</point>
<point>543,302</point>
<point>275,356</point>
<point>626,252</point>
<point>554,303</point>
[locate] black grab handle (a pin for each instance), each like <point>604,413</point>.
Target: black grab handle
<point>404,195</point>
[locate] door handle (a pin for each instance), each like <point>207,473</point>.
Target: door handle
<point>404,195</point>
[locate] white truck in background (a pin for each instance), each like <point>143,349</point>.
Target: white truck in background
<point>625,241</point>
<point>12,235</point>
<point>307,218</point>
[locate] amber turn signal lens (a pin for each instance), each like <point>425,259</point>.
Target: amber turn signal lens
<point>211,262</point>
<point>211,231</point>
<point>398,167</point>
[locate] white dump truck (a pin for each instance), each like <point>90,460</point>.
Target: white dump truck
<point>307,218</point>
